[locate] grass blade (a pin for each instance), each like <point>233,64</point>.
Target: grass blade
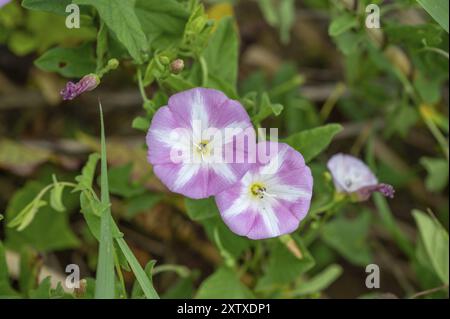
<point>141,276</point>
<point>105,281</point>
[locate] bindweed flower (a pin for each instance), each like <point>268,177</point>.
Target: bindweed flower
<point>87,83</point>
<point>188,138</point>
<point>353,177</point>
<point>272,197</point>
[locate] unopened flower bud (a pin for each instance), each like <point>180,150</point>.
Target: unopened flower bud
<point>113,64</point>
<point>164,60</point>
<point>87,83</point>
<point>177,66</point>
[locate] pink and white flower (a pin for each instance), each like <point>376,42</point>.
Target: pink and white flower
<point>352,176</point>
<point>272,197</point>
<point>188,139</point>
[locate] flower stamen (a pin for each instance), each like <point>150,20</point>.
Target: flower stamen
<point>203,148</point>
<point>258,190</point>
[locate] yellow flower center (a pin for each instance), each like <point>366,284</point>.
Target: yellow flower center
<point>203,148</point>
<point>258,190</point>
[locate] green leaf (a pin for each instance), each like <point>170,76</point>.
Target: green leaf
<point>101,49</point>
<point>199,209</point>
<point>105,279</point>
<point>69,62</point>
<point>162,21</point>
<point>287,19</point>
<point>437,178</point>
<point>120,184</point>
<point>42,291</point>
<point>92,209</point>
<point>57,235</point>
<point>280,14</point>
<point>120,17</point>
<point>6,291</point>
<point>56,195</point>
<point>269,11</point>
<point>33,34</point>
<point>141,276</point>
<point>87,173</point>
<point>184,288</point>
<point>141,123</point>
<point>311,143</point>
<point>348,42</point>
<point>223,283</point>
<point>436,243</point>
<point>414,36</point>
<point>26,215</point>
<point>267,108</point>
<point>58,7</point>
<point>401,120</point>
<point>231,245</point>
<point>137,291</point>
<point>438,9</point>
<point>283,266</point>
<point>221,54</point>
<point>45,291</point>
<point>29,269</point>
<point>215,81</point>
<point>388,221</point>
<point>349,237</point>
<point>425,272</point>
<point>342,23</point>
<point>176,83</point>
<point>141,203</point>
<point>319,282</point>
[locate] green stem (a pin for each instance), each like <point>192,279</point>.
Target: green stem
<point>204,67</point>
<point>437,134</point>
<point>323,208</point>
<point>332,100</point>
<point>141,86</point>
<point>101,38</point>
<point>182,271</point>
<point>148,105</point>
<point>120,275</point>
<point>409,88</point>
<point>437,50</point>
<point>284,87</point>
<point>329,209</point>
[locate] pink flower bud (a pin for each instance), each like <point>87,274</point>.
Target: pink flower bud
<point>87,83</point>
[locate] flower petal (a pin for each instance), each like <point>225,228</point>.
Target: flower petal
<point>188,179</point>
<point>165,136</point>
<point>178,132</point>
<point>284,202</point>
<point>350,173</point>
